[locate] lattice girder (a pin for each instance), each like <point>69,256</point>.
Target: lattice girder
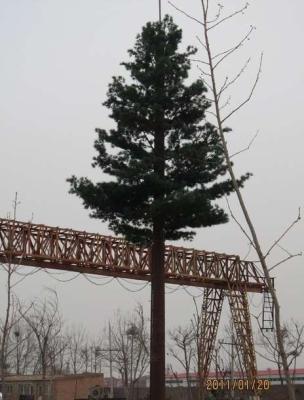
<point>238,301</point>
<point>210,318</point>
<point>70,250</point>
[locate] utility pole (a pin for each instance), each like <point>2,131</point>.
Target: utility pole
<point>110,351</point>
<point>232,360</point>
<point>232,343</point>
<point>111,363</point>
<point>15,205</point>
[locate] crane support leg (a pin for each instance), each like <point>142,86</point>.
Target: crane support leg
<point>239,307</point>
<point>210,317</point>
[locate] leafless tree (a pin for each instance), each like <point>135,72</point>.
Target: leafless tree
<point>130,348</point>
<point>227,357</point>
<point>21,348</point>
<point>46,324</point>
<point>76,344</point>
<point>183,349</point>
<point>85,356</point>
<point>6,328</point>
<point>186,348</point>
<point>57,354</point>
<point>9,319</point>
<point>209,66</point>
<point>293,337</point>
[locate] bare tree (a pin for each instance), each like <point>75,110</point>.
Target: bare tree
<point>293,337</point>
<point>76,340</point>
<point>46,324</point>
<point>9,320</point>
<point>186,349</point>
<point>6,328</point>
<point>57,354</point>
<point>20,348</point>
<point>183,350</point>
<point>210,64</point>
<point>85,356</point>
<point>130,340</point>
<point>227,358</point>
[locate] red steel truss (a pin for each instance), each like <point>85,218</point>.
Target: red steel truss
<point>222,275</point>
<point>210,317</point>
<point>71,250</point>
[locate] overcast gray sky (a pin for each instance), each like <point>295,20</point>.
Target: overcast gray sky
<point>57,58</point>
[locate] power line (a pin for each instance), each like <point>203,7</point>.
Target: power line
<point>131,290</point>
<point>192,295</point>
<point>95,283</point>
<point>61,280</point>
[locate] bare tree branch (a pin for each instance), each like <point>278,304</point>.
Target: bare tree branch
<point>187,15</point>
<point>284,233</point>
<point>250,94</point>
<point>246,148</point>
<point>284,260</point>
<point>227,103</point>
<point>228,52</point>
<point>230,83</point>
<point>241,11</point>
<point>238,223</point>
<point>248,252</point>
<point>201,42</point>
<point>217,16</point>
<point>202,71</point>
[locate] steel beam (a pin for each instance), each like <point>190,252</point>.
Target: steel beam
<point>210,318</point>
<point>238,301</point>
<point>56,248</point>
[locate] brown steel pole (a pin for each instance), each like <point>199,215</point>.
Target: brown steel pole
<point>157,347</point>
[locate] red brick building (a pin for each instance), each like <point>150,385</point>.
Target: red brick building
<point>67,387</point>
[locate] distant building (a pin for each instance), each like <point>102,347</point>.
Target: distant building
<point>67,387</point>
<point>114,381</point>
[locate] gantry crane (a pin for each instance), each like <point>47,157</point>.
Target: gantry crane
<point>221,275</point>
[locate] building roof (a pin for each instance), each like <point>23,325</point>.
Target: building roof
<point>34,378</point>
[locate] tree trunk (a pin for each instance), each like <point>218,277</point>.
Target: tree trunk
<point>5,332</point>
<point>255,241</point>
<point>157,357</point>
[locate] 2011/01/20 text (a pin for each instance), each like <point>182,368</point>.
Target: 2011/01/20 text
<point>238,384</point>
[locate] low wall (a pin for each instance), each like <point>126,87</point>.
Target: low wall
<point>181,393</point>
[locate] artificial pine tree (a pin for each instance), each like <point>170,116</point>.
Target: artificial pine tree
<point>168,165</point>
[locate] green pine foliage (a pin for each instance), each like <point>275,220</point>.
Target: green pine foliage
<point>179,186</point>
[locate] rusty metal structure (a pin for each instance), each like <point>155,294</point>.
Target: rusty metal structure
<point>222,275</point>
